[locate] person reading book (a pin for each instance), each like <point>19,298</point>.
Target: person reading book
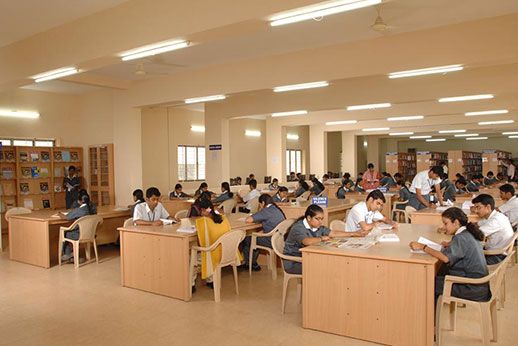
<point>364,216</point>
<point>71,183</point>
<point>152,211</point>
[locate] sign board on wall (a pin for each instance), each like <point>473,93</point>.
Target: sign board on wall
<point>214,146</point>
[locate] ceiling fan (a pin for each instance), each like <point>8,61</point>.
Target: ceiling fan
<point>379,24</point>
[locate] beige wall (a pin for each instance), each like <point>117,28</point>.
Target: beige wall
<point>349,145</point>
<point>247,154</point>
<point>334,151</point>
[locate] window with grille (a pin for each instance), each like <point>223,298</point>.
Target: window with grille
<point>191,163</point>
<point>27,142</point>
<point>293,161</point>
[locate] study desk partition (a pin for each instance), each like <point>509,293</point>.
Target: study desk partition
<point>156,258</point>
<point>429,216</point>
<point>335,210</point>
<point>383,294</point>
<point>33,238</point>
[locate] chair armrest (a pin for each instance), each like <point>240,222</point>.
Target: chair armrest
<point>290,258</point>
<point>262,234</point>
<point>462,280</point>
<point>495,252</point>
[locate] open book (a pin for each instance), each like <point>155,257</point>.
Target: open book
<point>429,243</point>
<point>167,221</point>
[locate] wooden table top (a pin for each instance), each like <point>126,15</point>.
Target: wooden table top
<point>106,211</point>
<point>236,222</point>
<point>333,204</point>
<point>392,251</point>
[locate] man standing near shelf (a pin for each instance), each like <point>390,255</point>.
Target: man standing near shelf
<point>421,187</point>
<point>511,169</point>
<point>71,183</point>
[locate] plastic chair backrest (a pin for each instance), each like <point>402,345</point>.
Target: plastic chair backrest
<point>181,214</point>
<point>337,225</point>
<point>254,205</point>
<point>88,226</point>
<point>510,246</point>
<point>229,246</point>
<point>278,243</point>
<point>500,274</point>
<point>228,205</point>
<point>243,192</point>
<point>128,222</point>
<point>16,211</point>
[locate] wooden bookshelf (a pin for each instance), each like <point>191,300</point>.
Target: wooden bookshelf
<point>427,159</point>
<point>8,176</point>
<point>102,178</point>
<point>404,163</point>
<point>62,158</point>
<point>492,160</point>
<point>466,163</point>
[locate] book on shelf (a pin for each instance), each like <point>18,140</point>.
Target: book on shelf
<point>7,203</point>
<point>44,172</point>
<point>7,173</point>
<point>26,172</point>
<point>57,156</point>
<point>58,188</point>
<point>27,203</point>
<point>74,156</point>
<point>44,187</point>
<point>35,157</point>
<point>24,156</point>
<point>9,156</point>
<point>58,172</point>
<point>24,188</point>
<point>65,155</point>
<point>45,203</point>
<point>35,172</point>
<point>45,156</point>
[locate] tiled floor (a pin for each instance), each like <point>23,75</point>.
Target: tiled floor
<point>63,306</point>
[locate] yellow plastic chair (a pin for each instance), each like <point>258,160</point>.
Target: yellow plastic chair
<point>87,229</point>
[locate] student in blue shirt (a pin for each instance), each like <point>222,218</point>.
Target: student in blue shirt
<point>76,204</point>
<point>203,188</point>
<point>178,193</point>
<point>269,215</point>
<point>274,185</point>
<point>282,195</point>
<point>84,208</point>
<point>317,188</point>
<point>225,193</point>
<point>347,186</point>
<point>303,187</point>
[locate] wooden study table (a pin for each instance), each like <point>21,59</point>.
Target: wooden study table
<point>335,210</point>
<point>33,238</point>
<point>175,205</point>
<point>468,198</point>
<point>430,216</point>
<point>156,258</point>
<point>383,294</point>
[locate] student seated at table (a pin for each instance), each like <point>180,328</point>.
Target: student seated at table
<point>301,188</point>
<point>387,180</point>
<point>404,193</point>
<point>225,193</point>
<point>473,184</point>
<point>138,197</point>
<point>454,189</point>
<point>203,188</point>
<point>364,216</point>
<point>84,208</point>
<point>326,181</point>
<point>490,179</point>
<point>239,181</point>
<point>306,231</point>
<point>178,193</point>
<point>254,193</point>
<point>77,203</point>
<point>358,185</point>
<point>317,187</point>
<point>462,256</point>
<point>150,212</point>
<point>274,185</point>
<point>347,178</point>
<point>347,186</point>
<point>196,209</point>
<point>269,216</point>
<point>510,207</point>
<point>282,195</point>
<point>495,226</point>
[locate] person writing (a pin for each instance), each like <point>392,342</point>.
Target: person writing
<point>150,212</point>
<point>421,187</point>
<point>371,178</point>
<point>364,216</point>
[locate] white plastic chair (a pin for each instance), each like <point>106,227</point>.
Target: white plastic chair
<point>228,205</point>
<point>278,247</point>
<point>337,225</point>
<point>254,205</point>
<point>181,214</point>
<point>408,213</point>
<point>396,213</point>
<point>128,222</point>
<point>272,259</point>
<point>229,256</point>
<point>87,229</point>
<point>8,214</point>
<point>515,224</point>
<point>487,310</point>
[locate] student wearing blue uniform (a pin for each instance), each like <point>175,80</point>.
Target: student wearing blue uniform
<point>84,208</point>
<point>178,193</point>
<point>71,183</point>
<point>269,216</point>
<point>301,188</point>
<point>274,185</point>
<point>306,231</point>
<point>490,179</point>
<point>317,187</point>
<point>203,188</point>
<point>455,189</point>
<point>225,193</point>
<point>462,256</point>
<point>77,204</point>
<point>282,195</point>
<point>404,194</point>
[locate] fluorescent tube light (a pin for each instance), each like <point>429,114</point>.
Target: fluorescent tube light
<point>19,114</point>
<point>155,49</point>
<point>400,133</point>
<point>466,98</point>
<point>320,10</point>
<point>370,106</point>
<point>425,71</point>
<point>197,128</point>
<point>409,117</point>
<point>436,140</point>
<point>452,131</point>
<point>252,133</point>
<point>292,136</point>
<point>303,86</point>
<point>287,114</point>
<point>475,138</point>
<point>205,99</point>
<point>496,111</point>
<point>376,129</point>
<point>510,133</point>
<point>342,122</point>
<point>513,136</point>
<point>62,72</point>
<point>496,122</point>
<point>420,137</point>
<point>467,135</point>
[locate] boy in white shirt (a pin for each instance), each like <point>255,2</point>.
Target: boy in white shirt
<point>364,216</point>
<point>422,186</point>
<point>510,207</point>
<point>495,226</point>
<point>254,193</point>
<point>150,212</point>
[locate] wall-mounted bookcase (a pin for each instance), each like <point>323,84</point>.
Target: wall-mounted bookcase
<point>467,163</point>
<point>102,178</point>
<point>404,163</point>
<point>427,159</point>
<point>492,160</point>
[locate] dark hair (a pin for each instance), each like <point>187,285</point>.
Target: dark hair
<point>490,173</point>
<point>376,194</point>
<point>325,176</point>
<point>206,204</point>
<point>347,175</point>
<point>508,188</point>
<point>437,170</point>
<point>455,213</point>
<point>398,175</point>
<point>275,180</point>
<point>139,194</point>
<point>283,189</point>
<point>251,175</point>
<point>317,182</point>
<point>203,185</point>
<point>485,199</point>
<point>268,199</point>
<point>252,183</point>
<point>152,191</point>
<point>444,176</point>
<point>239,178</point>
<point>370,165</point>
<point>178,186</point>
<point>85,198</point>
<point>458,175</point>
<point>304,185</point>
<point>461,181</point>
<point>71,168</point>
<point>226,186</point>
<point>311,211</point>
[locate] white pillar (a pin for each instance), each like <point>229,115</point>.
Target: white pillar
<point>317,147</point>
<point>217,162</point>
<point>275,149</point>
<point>349,153</point>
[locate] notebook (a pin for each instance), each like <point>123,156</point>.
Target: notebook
<point>429,243</point>
<point>388,238</point>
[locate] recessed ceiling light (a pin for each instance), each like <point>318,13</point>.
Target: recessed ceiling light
<point>513,136</point>
<point>496,111</point>
<point>408,117</point>
<point>252,133</point>
<point>54,74</point>
<point>400,133</point>
<point>287,114</point>
<point>322,9</point>
<point>425,71</point>
<point>369,106</point>
<point>376,129</point>
<point>342,122</point>
<point>292,136</point>
<point>452,131</point>
<point>436,140</point>
<point>475,138</point>
<point>467,135</point>
<point>510,133</point>
<point>466,98</point>
<point>197,128</point>
<point>154,49</point>
<point>300,86</point>
<point>19,114</point>
<point>420,137</point>
<point>205,99</point>
<point>496,122</point>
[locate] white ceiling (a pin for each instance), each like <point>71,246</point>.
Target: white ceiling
<point>22,19</point>
<point>62,87</point>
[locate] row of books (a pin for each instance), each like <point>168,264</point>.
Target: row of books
<point>44,188</point>
<point>34,156</point>
<point>7,156</point>
<point>43,172</point>
<point>27,203</point>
